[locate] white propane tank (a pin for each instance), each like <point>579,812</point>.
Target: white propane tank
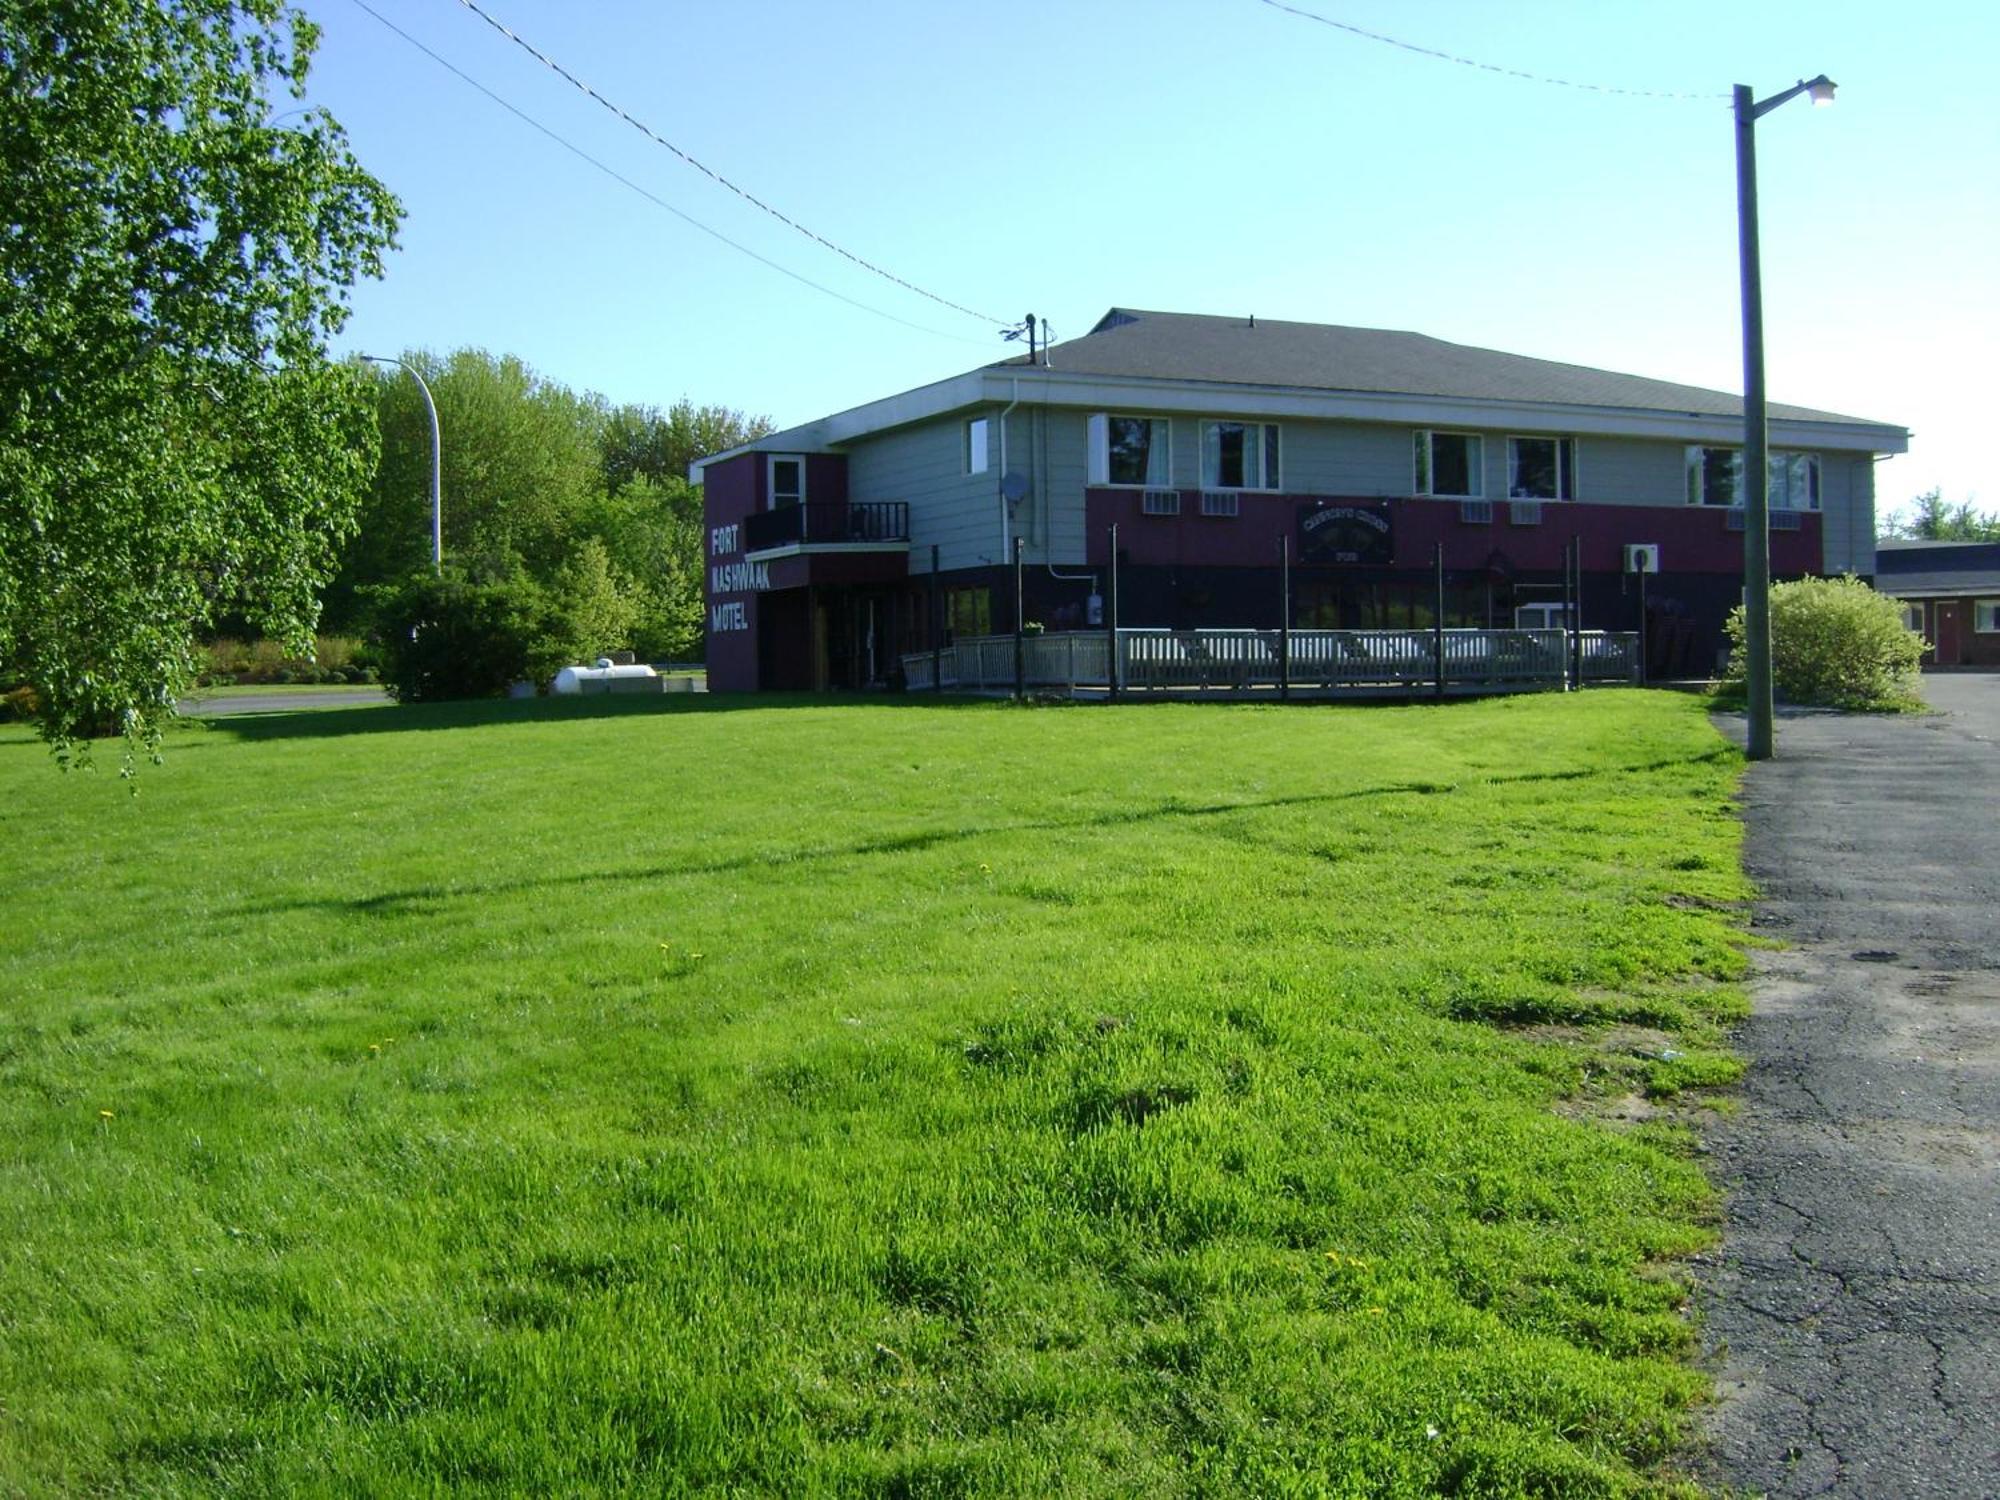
<point>605,678</point>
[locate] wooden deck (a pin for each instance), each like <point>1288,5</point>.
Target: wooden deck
<point>1274,664</point>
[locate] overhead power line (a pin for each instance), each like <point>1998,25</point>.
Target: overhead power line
<point>717,177</point>
<point>649,196</point>
<point>1469,62</point>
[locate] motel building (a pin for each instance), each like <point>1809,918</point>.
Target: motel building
<point>1232,452</point>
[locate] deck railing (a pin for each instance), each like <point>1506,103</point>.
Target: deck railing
<point>825,523</point>
<point>1254,661</point>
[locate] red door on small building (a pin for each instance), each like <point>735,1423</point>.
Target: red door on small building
<point>1948,652</point>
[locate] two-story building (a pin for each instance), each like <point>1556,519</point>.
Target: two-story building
<point>1226,449</point>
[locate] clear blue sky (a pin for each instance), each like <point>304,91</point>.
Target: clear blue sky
<point>1196,155</point>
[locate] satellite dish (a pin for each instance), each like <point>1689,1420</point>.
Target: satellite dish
<point>1014,487</point>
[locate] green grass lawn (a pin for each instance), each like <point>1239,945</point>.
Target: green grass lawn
<point>889,1099</point>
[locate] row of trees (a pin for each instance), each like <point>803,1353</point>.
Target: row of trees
<point>1932,518</point>
<point>179,454</point>
<point>565,516</point>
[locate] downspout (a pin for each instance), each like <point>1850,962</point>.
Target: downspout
<point>1049,512</point>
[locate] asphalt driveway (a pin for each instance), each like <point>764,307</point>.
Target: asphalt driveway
<point>1854,1309</point>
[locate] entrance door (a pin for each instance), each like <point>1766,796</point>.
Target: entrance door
<point>1947,633</point>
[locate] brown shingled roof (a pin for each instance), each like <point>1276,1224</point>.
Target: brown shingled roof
<point>1318,356</point>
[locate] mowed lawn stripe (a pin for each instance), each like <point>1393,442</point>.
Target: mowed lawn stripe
<point>871,1098</point>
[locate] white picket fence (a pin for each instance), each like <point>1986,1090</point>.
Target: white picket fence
<point>1252,661</point>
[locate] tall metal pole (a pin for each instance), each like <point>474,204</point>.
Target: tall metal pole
<point>1756,470</point>
<point>1437,612</point>
<point>1576,633</point>
<point>1111,620</point>
<point>1284,616</point>
<point>937,628</point>
<point>1020,644</point>
<point>437,459</point>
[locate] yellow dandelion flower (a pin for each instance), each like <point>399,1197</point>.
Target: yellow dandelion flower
<point>105,1114</point>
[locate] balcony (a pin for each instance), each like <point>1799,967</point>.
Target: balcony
<point>828,523</point>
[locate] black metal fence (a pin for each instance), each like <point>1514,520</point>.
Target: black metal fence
<point>827,523</point>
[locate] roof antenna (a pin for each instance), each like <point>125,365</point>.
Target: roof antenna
<point>1023,329</point>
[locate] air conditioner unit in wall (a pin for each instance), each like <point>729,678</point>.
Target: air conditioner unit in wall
<point>1642,557</point>
<point>1160,502</point>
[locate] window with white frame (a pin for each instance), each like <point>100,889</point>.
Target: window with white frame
<point>975,446</point>
<point>1541,468</point>
<point>1450,464</point>
<point>1239,456</point>
<point>1913,615</point>
<point>787,480</point>
<point>1986,616</point>
<point>1715,477</point>
<point>1131,450</point>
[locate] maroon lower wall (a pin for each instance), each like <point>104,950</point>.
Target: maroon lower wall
<point>731,491</point>
<point>1692,539</point>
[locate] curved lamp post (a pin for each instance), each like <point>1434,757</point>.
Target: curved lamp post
<point>1756,470</point>
<point>437,458</point>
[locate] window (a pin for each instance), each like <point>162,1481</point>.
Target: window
<point>1715,477</point>
<point>975,446</point>
<point>1450,463</point>
<point>1542,616</point>
<point>1239,456</point>
<point>1986,616</point>
<point>1913,616</point>
<point>1130,450</point>
<point>788,480</point>
<point>1541,468</point>
<point>968,612</point>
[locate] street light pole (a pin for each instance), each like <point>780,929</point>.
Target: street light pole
<point>1756,465</point>
<point>437,459</point>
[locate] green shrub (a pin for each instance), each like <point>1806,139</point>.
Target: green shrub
<point>19,703</point>
<point>1835,642</point>
<point>451,636</point>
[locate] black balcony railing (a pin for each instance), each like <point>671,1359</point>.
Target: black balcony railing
<point>825,522</point>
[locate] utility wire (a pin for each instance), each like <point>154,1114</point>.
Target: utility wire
<point>1468,62</point>
<point>715,176</point>
<point>649,196</point>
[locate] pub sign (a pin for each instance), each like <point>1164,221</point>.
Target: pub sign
<point>1347,534</point>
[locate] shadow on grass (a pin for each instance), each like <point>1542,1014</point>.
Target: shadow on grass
<point>424,899</point>
<point>408,718</point>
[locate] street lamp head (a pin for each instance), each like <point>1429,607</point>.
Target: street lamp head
<point>1820,90</point>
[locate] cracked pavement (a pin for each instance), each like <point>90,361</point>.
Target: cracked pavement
<point>1852,1312</point>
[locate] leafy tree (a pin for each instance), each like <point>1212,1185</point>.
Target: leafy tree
<point>653,531</point>
<point>173,441</point>
<point>590,612</point>
<point>642,442</point>
<point>520,460</point>
<point>1834,642</point>
<point>1932,518</point>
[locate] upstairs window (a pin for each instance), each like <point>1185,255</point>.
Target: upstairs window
<point>1239,456</point>
<point>1130,450</point>
<point>1450,464</point>
<point>1541,468</point>
<point>975,446</point>
<point>788,480</point>
<point>1715,477</point>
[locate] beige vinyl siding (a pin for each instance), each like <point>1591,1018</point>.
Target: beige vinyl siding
<point>1847,501</point>
<point>924,466</point>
